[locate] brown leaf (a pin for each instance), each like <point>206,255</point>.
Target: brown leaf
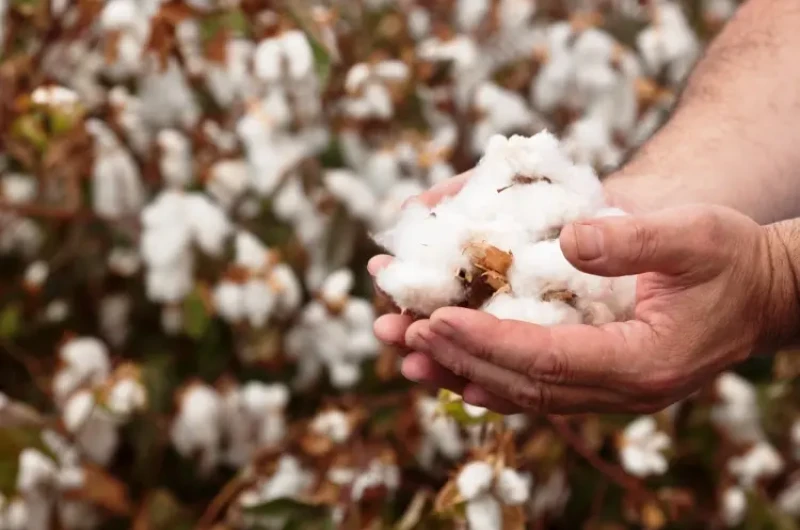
<point>216,48</point>
<point>103,490</point>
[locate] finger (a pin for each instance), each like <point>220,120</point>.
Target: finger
<point>421,368</point>
<point>376,263</point>
<point>480,397</point>
<point>673,241</point>
<point>444,189</point>
<point>563,355</point>
<point>506,384</point>
<point>391,328</point>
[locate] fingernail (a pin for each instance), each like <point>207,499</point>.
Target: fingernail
<point>588,241</point>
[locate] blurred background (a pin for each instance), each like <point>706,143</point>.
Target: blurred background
<point>187,193</point>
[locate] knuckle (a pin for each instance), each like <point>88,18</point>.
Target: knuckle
<point>532,396</point>
<point>551,367</point>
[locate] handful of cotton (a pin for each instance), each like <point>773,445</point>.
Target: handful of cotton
<point>494,246</point>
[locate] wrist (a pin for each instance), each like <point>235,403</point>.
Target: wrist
<point>781,316</point>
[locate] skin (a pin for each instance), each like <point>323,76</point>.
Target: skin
<point>717,262</point>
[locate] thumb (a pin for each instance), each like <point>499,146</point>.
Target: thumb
<point>673,241</point>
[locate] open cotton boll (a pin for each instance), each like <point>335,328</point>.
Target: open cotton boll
<point>484,513</point>
<point>533,310</point>
<point>512,487</point>
<point>474,479</point>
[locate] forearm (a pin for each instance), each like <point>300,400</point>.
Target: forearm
<point>733,138</point>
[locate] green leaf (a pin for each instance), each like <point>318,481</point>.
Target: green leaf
<point>195,316</point>
<point>10,321</point>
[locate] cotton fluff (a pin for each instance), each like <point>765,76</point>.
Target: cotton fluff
<point>440,433</point>
<point>522,192</point>
<point>736,410</point>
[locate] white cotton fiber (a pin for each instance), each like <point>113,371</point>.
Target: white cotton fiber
<point>495,244</point>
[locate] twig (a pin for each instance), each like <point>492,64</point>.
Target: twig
<point>611,471</point>
<point>218,503</point>
<point>28,362</point>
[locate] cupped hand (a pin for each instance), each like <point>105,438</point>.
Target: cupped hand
<point>710,291</point>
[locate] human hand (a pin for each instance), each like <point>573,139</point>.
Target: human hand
<point>713,287</point>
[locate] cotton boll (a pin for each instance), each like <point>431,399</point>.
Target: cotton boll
<point>250,252</point>
<point>288,287</point>
<point>474,479</point>
<point>734,506</point>
<point>36,471</point>
<point>259,301</point>
<point>507,307</point>
<point>420,289</point>
<point>484,512</point>
<point>297,50</point>
<point>513,488</point>
<point>228,298</point>
<point>209,224</point>
<point>344,375</point>
<point>196,429</point>
<point>125,397</point>
<point>267,60</point>
<point>337,285</point>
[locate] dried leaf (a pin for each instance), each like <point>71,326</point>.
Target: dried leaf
<point>562,295</point>
<point>514,518</point>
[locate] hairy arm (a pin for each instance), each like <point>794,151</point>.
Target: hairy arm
<point>734,137</point>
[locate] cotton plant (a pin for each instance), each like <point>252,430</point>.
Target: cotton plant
<point>489,493</point>
<point>642,448</point>
<point>334,332</point>
<point>488,248</point>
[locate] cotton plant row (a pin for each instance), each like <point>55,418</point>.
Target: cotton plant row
<point>205,129</point>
